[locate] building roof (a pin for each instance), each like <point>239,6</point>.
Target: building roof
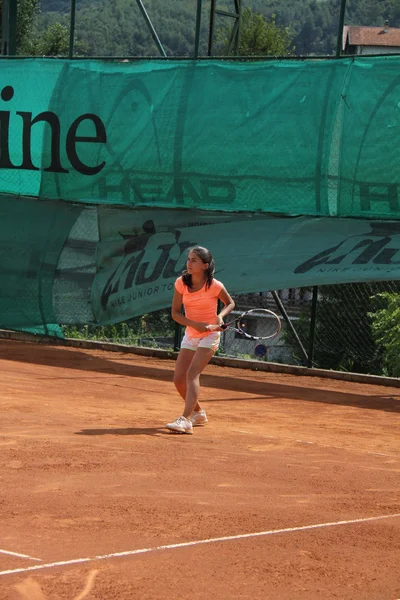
<point>371,36</point>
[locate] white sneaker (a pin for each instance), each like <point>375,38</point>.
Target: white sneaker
<point>181,425</point>
<point>199,417</point>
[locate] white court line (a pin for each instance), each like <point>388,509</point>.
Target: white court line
<point>194,543</point>
<point>19,555</point>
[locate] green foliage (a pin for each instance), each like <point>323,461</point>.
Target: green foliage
<point>260,36</point>
<point>27,11</point>
<point>386,332</point>
<point>344,338</point>
<point>118,28</point>
<point>152,330</point>
<point>55,42</point>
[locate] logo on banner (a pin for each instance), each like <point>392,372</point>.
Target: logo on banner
<point>148,263</point>
<point>378,249</point>
<point>72,143</point>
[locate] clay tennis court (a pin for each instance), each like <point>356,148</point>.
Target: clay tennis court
<point>291,491</point>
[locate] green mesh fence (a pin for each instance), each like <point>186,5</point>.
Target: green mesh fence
<point>109,172</point>
<point>356,328</point>
<point>291,137</point>
<point>343,334</point>
<point>70,263</point>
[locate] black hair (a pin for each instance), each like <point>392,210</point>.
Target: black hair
<point>205,255</point>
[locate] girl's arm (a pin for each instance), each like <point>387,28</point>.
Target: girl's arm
<point>228,302</point>
<point>180,318</point>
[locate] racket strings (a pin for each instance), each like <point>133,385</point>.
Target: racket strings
<point>257,324</point>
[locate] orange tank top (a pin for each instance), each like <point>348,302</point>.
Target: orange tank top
<point>200,306</point>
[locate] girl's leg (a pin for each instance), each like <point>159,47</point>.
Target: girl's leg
<point>200,360</point>
<point>183,362</point>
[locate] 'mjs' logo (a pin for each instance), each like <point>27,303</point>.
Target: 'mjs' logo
<point>381,246</point>
<point>146,259</point>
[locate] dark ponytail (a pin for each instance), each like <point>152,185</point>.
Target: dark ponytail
<point>205,255</point>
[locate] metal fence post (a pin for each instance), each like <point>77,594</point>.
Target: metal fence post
<point>340,30</point>
<point>9,28</point>
<point>313,321</point>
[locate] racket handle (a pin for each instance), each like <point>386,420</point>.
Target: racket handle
<point>224,326</point>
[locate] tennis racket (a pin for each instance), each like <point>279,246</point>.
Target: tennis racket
<point>269,324</point>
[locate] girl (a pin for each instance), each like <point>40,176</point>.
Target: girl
<point>199,292</point>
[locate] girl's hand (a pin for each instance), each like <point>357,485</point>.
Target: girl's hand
<point>214,328</point>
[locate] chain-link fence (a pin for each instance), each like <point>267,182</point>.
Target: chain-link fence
<point>351,327</point>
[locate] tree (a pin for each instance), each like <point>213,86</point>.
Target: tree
<point>54,39</point>
<point>386,332</point>
<point>55,42</point>
<point>260,36</point>
<point>393,13</point>
<point>27,10</point>
<point>117,27</point>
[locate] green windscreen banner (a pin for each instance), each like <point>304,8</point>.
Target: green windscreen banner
<point>70,263</point>
<point>33,239</point>
<point>316,138</point>
<point>142,252</point>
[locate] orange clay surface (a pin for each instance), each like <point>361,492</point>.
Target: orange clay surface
<point>88,471</point>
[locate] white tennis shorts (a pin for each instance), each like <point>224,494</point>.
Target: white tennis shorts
<point>210,341</point>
